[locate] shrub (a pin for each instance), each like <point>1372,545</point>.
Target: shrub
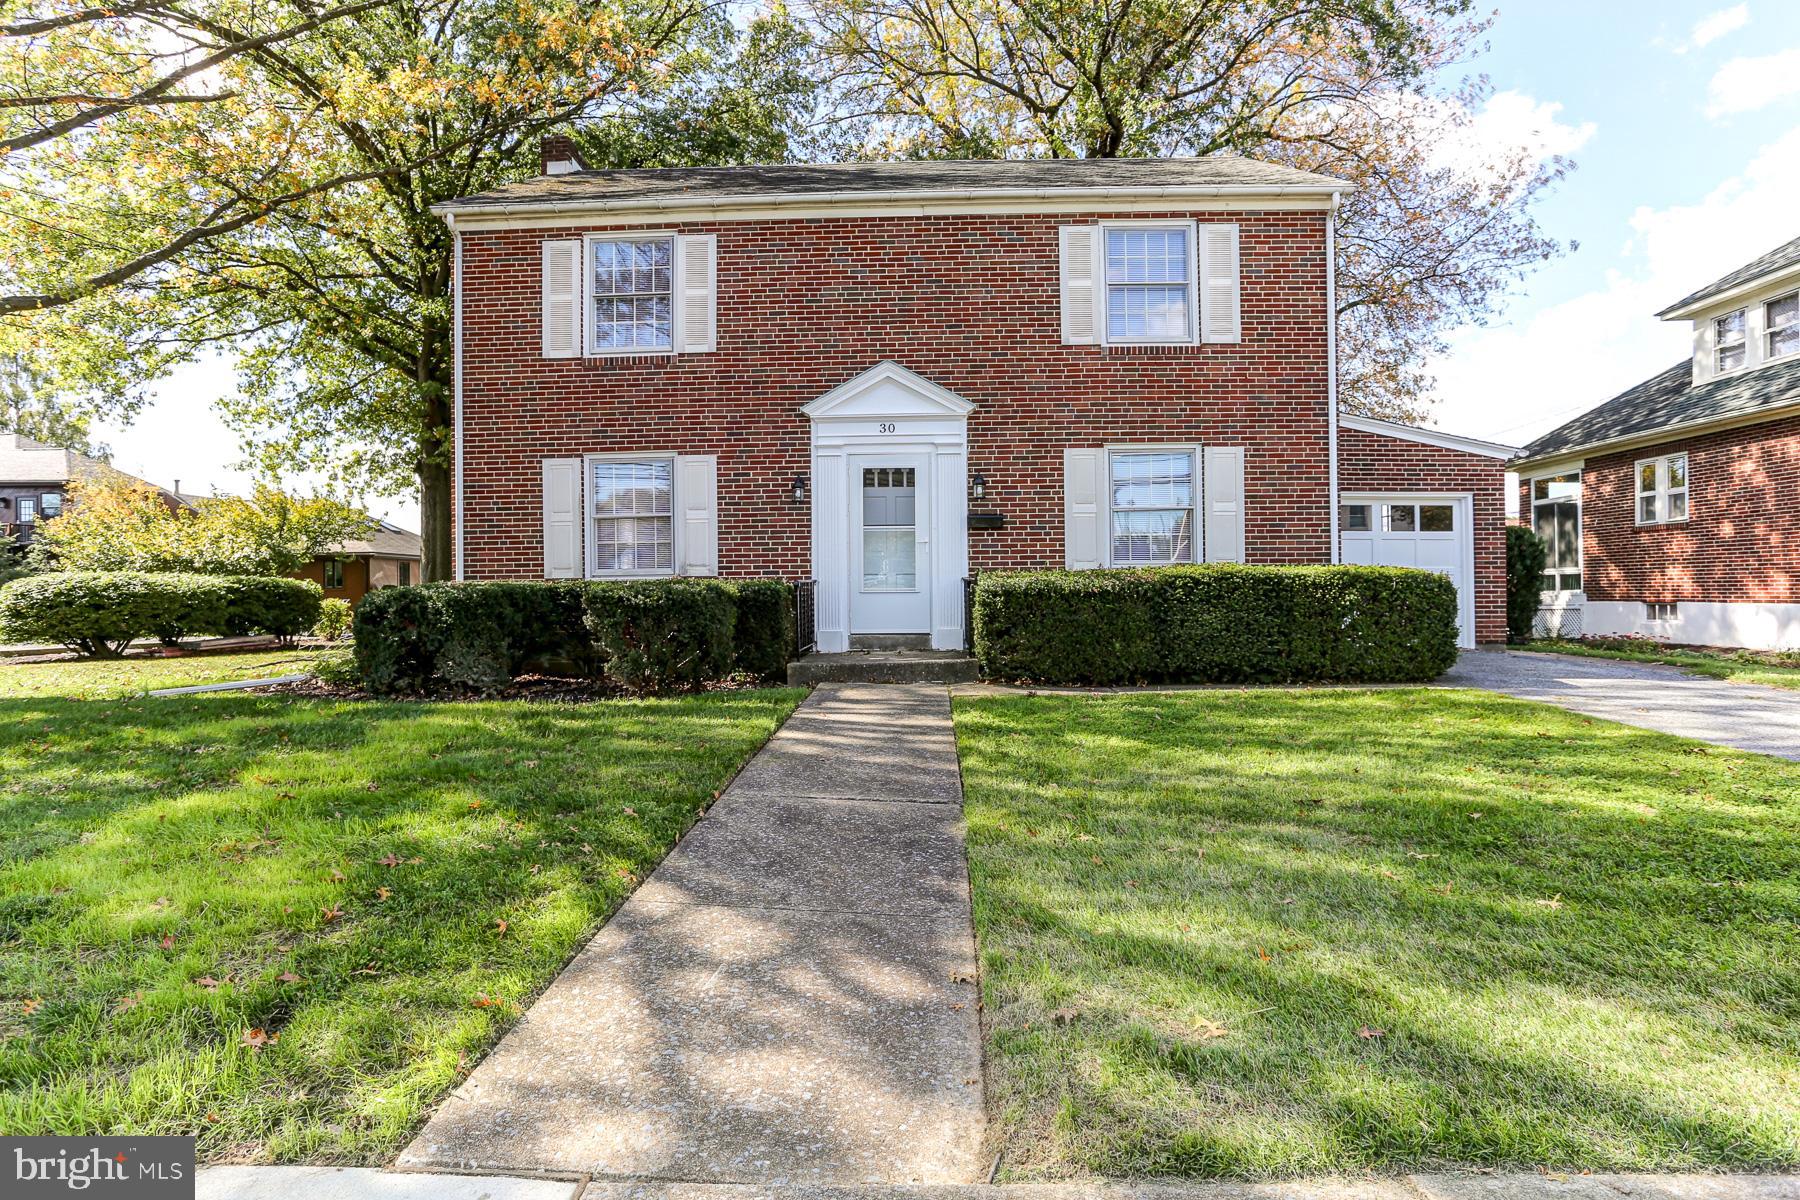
<point>334,619</point>
<point>99,613</point>
<point>1525,554</point>
<point>466,635</point>
<point>763,638</point>
<point>1216,623</point>
<point>663,635</point>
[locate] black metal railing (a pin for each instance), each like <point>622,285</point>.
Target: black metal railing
<point>969,614</point>
<point>806,617</point>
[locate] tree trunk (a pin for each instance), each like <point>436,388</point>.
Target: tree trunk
<point>434,522</point>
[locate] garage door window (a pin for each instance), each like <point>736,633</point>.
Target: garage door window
<point>1356,518</point>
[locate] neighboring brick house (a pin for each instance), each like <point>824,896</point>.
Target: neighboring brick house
<point>884,377</point>
<point>34,484</point>
<point>1673,510</point>
<point>389,557</point>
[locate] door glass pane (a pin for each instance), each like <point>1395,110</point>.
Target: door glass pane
<point>890,536</point>
<point>1437,518</point>
<point>1399,518</point>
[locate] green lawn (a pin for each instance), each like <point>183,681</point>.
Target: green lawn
<point>1268,933</point>
<point>96,679</point>
<point>377,888</point>
<point>1773,667</point>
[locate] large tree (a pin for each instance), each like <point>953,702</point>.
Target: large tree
<point>1437,227</point>
<point>277,201</point>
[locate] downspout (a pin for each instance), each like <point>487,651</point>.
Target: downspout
<point>1331,366</point>
<point>456,374</point>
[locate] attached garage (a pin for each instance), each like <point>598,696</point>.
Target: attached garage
<point>1410,497</point>
<point>1429,532</point>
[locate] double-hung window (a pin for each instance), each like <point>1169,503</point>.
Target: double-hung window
<point>631,288</point>
<point>52,504</point>
<point>1662,489</point>
<point>1152,507</point>
<point>1556,517</point>
<point>332,573</point>
<point>1149,283</point>
<point>1781,326</point>
<point>632,516</point>
<point>1729,332</point>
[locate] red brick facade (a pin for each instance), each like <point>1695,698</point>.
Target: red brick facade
<point>1740,543</point>
<point>969,302</point>
<point>1369,462</point>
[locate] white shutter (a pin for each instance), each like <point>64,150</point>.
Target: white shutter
<point>1222,486</point>
<point>697,261</point>
<point>697,495</point>
<point>1084,518</point>
<point>1220,316</point>
<point>1079,254</point>
<point>562,299</point>
<point>562,518</point>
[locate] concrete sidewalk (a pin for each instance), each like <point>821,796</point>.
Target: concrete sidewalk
<point>788,1000</point>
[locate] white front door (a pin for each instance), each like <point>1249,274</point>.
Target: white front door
<point>1430,533</point>
<point>890,551</point>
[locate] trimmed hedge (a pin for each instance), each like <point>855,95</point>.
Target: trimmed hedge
<point>1216,623</point>
<point>1525,556</point>
<point>650,635</point>
<point>99,613</point>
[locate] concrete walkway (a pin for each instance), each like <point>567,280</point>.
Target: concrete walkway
<point>1744,716</point>
<point>788,1000</point>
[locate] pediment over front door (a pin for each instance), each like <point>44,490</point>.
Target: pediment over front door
<point>887,390</point>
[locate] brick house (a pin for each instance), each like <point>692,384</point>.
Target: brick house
<point>1672,510</point>
<point>34,485</point>
<point>388,557</point>
<point>885,377</point>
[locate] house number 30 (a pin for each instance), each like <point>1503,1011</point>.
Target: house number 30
<point>886,427</point>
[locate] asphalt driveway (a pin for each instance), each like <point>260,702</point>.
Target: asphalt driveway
<point>1667,699</point>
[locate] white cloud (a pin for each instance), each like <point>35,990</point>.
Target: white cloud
<point>1516,120</point>
<point>1514,382</point>
<point>1747,84</point>
<point>1713,26</point>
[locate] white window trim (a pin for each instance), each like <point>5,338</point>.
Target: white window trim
<point>28,510</point>
<point>590,327</point>
<point>1719,347</point>
<point>590,552</point>
<point>1195,511</point>
<point>1769,331</point>
<point>1662,491</point>
<point>1193,284</point>
<point>1580,515</point>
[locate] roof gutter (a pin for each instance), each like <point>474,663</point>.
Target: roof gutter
<point>1661,433</point>
<point>544,208</point>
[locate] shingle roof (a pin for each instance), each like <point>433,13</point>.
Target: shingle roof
<point>706,184</point>
<point>26,460</point>
<point>1671,399</point>
<point>388,541</point>
<point>1777,259</point>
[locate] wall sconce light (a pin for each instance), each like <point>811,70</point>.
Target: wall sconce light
<point>799,489</point>
<point>978,485</point>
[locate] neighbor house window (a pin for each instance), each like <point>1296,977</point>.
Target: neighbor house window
<point>632,502</point>
<point>405,572</point>
<point>1152,501</point>
<point>1149,283</point>
<point>631,288</point>
<point>52,504</point>
<point>1728,330</point>
<point>1556,517</point>
<point>1781,325</point>
<point>27,510</point>
<point>334,573</point>
<point>1662,489</point>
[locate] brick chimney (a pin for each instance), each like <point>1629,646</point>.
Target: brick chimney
<point>557,155</point>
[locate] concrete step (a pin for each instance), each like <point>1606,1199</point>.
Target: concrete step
<point>883,666</point>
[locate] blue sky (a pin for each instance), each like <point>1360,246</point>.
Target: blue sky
<point>1683,120</point>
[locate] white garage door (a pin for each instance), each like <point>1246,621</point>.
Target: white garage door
<point>1428,532</point>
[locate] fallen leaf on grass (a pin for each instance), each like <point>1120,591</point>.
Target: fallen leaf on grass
<point>127,1003</point>
<point>1553,902</point>
<point>1209,1029</point>
<point>331,914</point>
<point>474,804</point>
<point>382,893</point>
<point>207,982</point>
<point>31,1004</point>
<point>337,876</point>
<point>1366,1033</point>
<point>1063,1016</point>
<point>287,977</point>
<point>256,1039</point>
<point>390,859</point>
<point>500,927</point>
<point>167,942</point>
<point>483,1000</point>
